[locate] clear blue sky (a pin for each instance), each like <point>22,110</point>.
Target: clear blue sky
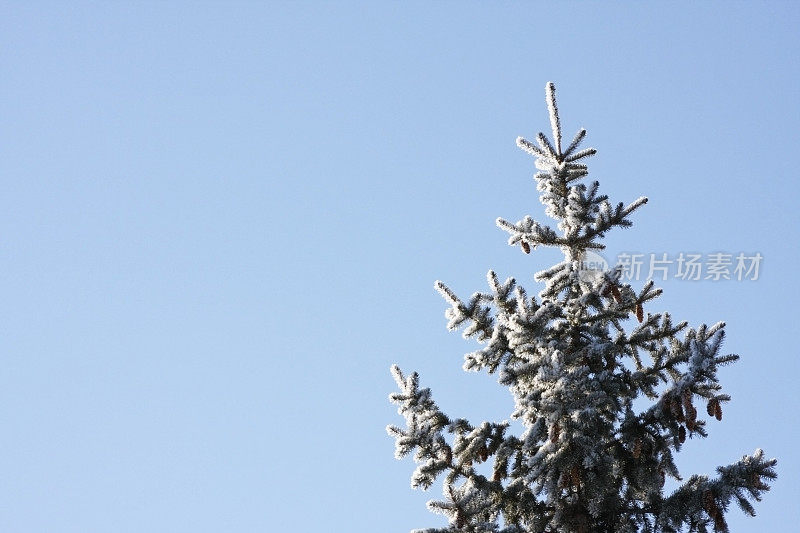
<point>220,223</point>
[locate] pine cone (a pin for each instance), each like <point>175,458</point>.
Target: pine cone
<point>713,510</point>
<point>637,448</point>
<point>616,293</point>
<point>639,313</point>
<point>675,408</point>
<point>709,504</point>
<point>689,410</point>
<point>719,523</point>
<point>483,454</point>
<point>718,411</point>
<point>756,482</point>
<point>710,409</point>
<point>525,247</point>
<point>687,400</point>
<point>575,477</point>
<point>682,434</point>
<point>555,432</point>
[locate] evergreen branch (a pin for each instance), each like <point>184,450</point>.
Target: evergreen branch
<point>531,148</point>
<point>588,152</point>
<point>576,141</point>
<point>605,219</point>
<point>481,324</point>
<point>700,497</point>
<point>555,122</point>
<point>530,232</point>
<point>544,144</point>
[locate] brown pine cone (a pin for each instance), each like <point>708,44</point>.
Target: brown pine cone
<point>483,453</point>
<point>555,432</point>
<point>710,409</point>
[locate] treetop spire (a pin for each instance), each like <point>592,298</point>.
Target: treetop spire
<point>591,457</point>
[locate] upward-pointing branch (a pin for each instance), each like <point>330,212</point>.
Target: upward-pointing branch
<point>555,122</point>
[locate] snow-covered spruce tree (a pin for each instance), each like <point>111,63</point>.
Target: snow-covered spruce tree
<point>588,460</point>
